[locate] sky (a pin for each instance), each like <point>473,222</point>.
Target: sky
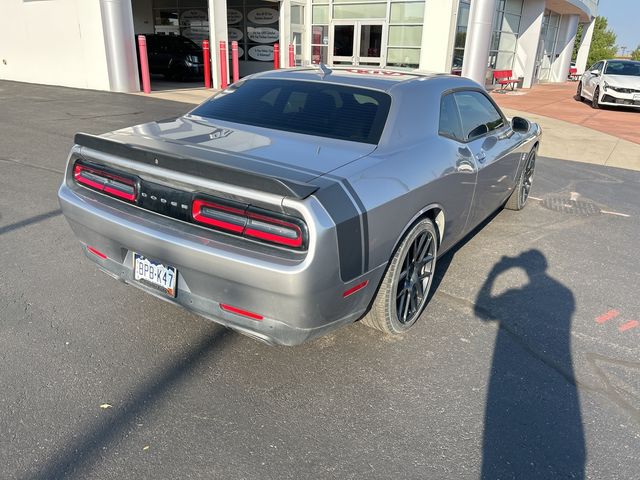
<point>624,20</point>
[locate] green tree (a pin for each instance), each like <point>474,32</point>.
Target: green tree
<point>603,44</point>
<point>635,55</point>
<point>576,45</point>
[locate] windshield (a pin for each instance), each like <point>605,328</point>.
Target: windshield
<point>631,69</point>
<point>313,108</point>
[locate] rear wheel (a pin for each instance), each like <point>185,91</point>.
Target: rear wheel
<point>520,195</point>
<point>595,102</point>
<point>405,287</point>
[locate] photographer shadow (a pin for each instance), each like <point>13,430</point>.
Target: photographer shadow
<point>533,426</point>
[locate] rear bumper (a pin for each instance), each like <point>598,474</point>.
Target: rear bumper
<point>300,297</point>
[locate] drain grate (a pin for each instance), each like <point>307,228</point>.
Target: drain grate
<point>564,204</point>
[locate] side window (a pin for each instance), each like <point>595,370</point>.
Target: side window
<point>478,114</point>
<point>450,125</point>
<point>597,66</point>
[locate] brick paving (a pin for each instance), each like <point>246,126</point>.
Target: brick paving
<point>557,101</point>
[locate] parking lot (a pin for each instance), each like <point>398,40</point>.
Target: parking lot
<point>524,365</point>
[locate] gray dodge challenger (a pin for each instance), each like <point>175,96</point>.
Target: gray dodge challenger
<point>299,200</point>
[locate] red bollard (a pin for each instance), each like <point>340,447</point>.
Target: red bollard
<point>292,56</point>
<point>224,60</point>
<point>144,64</point>
<point>276,56</point>
<point>206,59</point>
<point>234,61</point>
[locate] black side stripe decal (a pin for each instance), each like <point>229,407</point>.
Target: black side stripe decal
<point>365,225</point>
<point>348,213</point>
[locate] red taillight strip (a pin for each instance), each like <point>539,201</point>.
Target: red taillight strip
<point>355,289</point>
<point>294,241</point>
<point>105,182</point>
<point>249,222</point>
<point>224,220</point>
<point>239,311</point>
<point>96,252</point>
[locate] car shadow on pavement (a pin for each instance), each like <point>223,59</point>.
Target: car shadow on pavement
<point>77,457</point>
<point>533,425</point>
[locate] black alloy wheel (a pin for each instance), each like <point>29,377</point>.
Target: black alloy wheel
<point>415,278</point>
<point>404,290</point>
<point>527,178</point>
<point>520,194</point>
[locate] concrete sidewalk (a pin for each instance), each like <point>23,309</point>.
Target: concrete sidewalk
<point>562,139</point>
<point>186,95</point>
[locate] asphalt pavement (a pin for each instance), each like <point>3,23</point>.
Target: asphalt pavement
<point>524,365</point>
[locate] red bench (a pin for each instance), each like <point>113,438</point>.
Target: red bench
<point>504,78</point>
<point>573,74</point>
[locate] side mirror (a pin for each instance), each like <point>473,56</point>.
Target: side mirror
<point>520,125</point>
<point>595,73</point>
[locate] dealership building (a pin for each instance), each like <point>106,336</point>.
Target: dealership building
<point>91,43</point>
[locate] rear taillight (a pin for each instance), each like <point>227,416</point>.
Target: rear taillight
<point>250,222</point>
<point>104,181</point>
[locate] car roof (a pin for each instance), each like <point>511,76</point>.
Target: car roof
<point>376,78</point>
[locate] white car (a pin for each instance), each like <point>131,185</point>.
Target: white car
<point>611,82</point>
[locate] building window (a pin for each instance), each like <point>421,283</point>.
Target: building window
<point>405,34</point>
<point>189,18</point>
<point>549,36</point>
<point>320,31</point>
<point>506,29</point>
<point>461,36</point>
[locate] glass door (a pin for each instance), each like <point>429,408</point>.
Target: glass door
<point>357,43</point>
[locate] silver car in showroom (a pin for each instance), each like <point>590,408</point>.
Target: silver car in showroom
<point>299,200</point>
<point>612,83</point>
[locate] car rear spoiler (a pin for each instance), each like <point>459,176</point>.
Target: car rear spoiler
<point>204,168</point>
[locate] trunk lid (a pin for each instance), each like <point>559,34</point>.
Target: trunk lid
<point>284,155</point>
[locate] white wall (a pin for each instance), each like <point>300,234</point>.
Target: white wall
<point>585,46</point>
<point>564,48</point>
<point>530,30</point>
<point>55,42</point>
<point>438,34</point>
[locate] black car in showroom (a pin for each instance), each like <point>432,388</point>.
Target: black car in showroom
<point>174,56</point>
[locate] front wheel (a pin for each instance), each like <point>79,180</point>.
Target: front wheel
<point>595,102</point>
<point>405,287</point>
<point>579,96</point>
<point>520,194</point>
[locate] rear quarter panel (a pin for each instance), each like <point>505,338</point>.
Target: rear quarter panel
<point>412,170</point>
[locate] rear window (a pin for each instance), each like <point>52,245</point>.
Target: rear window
<point>313,108</point>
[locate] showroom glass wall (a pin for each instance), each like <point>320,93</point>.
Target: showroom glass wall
<point>504,40</point>
<point>461,36</point>
<point>367,32</point>
<point>189,18</point>
<point>547,48</point>
<point>506,29</point>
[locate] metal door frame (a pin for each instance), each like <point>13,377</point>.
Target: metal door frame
<point>355,59</point>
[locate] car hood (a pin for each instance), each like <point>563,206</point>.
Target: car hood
<point>242,146</point>
<point>624,81</point>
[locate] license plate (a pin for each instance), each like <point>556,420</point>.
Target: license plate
<point>150,272</point>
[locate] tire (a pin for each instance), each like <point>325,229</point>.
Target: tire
<point>518,199</point>
<point>595,101</point>
<point>415,261</point>
<point>579,96</point>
